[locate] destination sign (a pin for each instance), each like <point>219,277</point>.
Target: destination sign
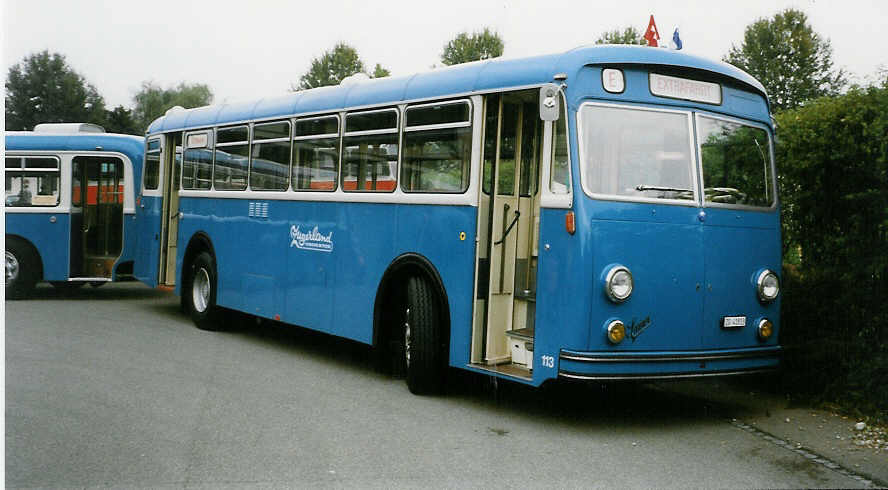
<point>683,88</point>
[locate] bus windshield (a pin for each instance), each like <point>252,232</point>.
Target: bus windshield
<point>736,163</point>
<point>645,154</point>
<point>636,154</point>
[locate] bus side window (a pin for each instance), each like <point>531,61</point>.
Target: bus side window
<point>437,148</point>
<point>315,154</point>
<point>151,177</point>
<point>370,151</point>
<point>37,184</point>
<point>270,157</point>
<point>231,158</point>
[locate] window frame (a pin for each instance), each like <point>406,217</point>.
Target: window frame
<point>692,149</point>
<point>396,130</point>
<point>209,146</point>
<point>23,169</point>
<point>249,144</point>
<point>771,155</point>
<point>432,127</point>
<point>288,139</point>
<point>159,152</point>
<point>338,135</point>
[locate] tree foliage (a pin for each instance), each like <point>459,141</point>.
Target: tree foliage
<point>791,60</point>
<point>629,35</point>
<point>834,186</point>
<point>152,101</point>
<point>467,47</point>
<point>334,66</point>
<point>121,120</point>
<point>44,88</point>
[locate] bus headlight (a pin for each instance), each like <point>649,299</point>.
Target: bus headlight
<point>765,329</point>
<point>618,284</point>
<point>767,286</point>
<point>616,331</point>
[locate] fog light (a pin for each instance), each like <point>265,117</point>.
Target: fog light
<point>765,329</point>
<point>616,332</point>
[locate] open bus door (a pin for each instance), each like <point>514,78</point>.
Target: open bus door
<point>169,215</point>
<point>508,225</point>
<point>97,188</point>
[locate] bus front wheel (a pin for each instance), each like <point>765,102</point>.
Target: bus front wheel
<point>423,351</point>
<point>201,293</point>
<point>21,270</point>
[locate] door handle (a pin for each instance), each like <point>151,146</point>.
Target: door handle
<point>512,224</point>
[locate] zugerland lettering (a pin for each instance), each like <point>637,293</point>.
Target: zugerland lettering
<point>311,240</point>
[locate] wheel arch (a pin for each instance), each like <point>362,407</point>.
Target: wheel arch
<point>199,242</point>
<point>393,282</point>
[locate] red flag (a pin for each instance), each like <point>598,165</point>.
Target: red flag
<point>652,34</point>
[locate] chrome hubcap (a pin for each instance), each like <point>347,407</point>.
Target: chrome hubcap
<point>407,337</point>
<point>200,290</point>
<point>12,268</point>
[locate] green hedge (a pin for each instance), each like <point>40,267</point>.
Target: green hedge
<point>833,163</point>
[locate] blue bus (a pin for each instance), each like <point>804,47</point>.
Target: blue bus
<point>605,213</point>
<point>70,206</point>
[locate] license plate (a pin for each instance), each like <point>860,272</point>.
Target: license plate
<point>733,321</point>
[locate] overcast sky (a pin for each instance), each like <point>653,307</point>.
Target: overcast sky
<point>259,47</point>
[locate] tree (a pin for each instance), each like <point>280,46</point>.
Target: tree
<point>472,47</point>
<point>44,88</point>
<point>791,60</point>
<point>331,67</point>
<point>121,120</point>
<point>629,35</point>
<point>153,101</point>
<point>380,72</point>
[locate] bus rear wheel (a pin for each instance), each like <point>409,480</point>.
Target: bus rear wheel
<point>423,348</point>
<point>21,270</point>
<point>200,295</point>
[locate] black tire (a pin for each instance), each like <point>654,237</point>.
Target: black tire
<point>424,349</point>
<point>200,293</point>
<point>21,269</point>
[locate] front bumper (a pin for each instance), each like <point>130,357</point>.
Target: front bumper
<point>666,365</point>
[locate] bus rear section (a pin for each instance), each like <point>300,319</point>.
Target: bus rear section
<point>70,210</point>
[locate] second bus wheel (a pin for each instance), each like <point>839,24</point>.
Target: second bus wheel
<point>200,295</point>
<point>423,346</point>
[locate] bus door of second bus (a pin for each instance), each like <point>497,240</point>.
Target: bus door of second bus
<point>509,220</point>
<point>97,189</point>
<point>169,216</point>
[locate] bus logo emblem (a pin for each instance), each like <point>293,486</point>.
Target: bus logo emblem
<point>312,240</point>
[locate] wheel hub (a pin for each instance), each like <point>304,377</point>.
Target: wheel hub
<point>200,290</point>
<point>12,268</point>
<point>407,337</point>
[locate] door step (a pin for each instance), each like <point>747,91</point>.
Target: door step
<point>521,345</point>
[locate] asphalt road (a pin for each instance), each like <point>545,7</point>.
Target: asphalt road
<point>115,387</point>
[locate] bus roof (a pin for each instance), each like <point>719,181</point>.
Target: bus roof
<point>131,146</point>
<point>467,78</point>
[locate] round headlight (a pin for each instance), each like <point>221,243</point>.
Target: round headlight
<point>618,284</point>
<point>768,286</point>
<point>616,331</point>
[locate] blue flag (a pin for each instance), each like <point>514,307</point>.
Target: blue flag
<point>676,40</point>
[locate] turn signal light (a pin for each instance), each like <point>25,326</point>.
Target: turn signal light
<point>570,222</point>
<point>616,332</point>
<point>765,329</point>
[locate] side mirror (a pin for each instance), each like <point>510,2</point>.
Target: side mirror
<point>549,103</point>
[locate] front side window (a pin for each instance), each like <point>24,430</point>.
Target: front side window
<point>636,154</point>
<point>32,181</point>
<point>197,161</point>
<point>437,148</point>
<point>736,162</point>
<point>370,151</point>
<point>152,164</point>
<point>559,178</point>
<point>231,160</point>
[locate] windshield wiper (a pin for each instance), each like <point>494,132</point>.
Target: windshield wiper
<point>658,188</point>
